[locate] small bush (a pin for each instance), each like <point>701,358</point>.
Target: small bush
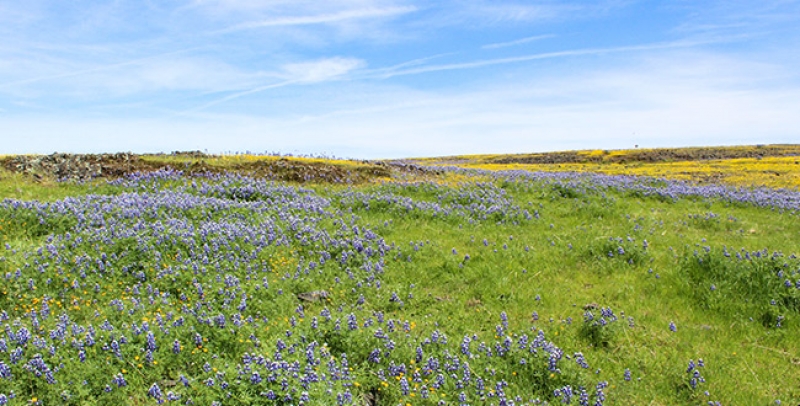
<point>599,331</point>
<point>618,249</point>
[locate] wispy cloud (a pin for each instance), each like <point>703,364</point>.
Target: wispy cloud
<point>295,74</point>
<point>517,41</point>
<point>546,55</point>
<point>389,70</point>
<point>522,12</point>
<point>237,95</point>
<point>330,18</point>
<point>489,12</point>
<point>321,70</point>
<point>92,70</point>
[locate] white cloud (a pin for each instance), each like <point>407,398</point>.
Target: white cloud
<point>321,70</point>
<point>161,73</point>
<point>63,71</point>
<point>519,13</point>
<point>517,41</point>
<point>499,12</point>
<point>295,74</point>
<point>332,18</point>
<point>387,73</point>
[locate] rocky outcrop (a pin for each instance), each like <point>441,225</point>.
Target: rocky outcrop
<point>75,167</point>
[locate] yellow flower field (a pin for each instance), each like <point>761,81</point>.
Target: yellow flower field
<point>778,172</point>
<point>769,171</point>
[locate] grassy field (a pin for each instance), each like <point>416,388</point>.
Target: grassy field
<point>456,286</point>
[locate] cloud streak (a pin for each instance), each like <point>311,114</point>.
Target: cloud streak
<point>296,74</point>
<point>517,42</point>
<point>385,74</point>
<point>321,70</point>
<point>332,18</point>
<point>89,71</point>
<point>237,95</point>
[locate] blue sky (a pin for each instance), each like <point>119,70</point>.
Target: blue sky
<point>396,78</point>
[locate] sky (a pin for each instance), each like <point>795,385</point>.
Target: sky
<point>374,79</point>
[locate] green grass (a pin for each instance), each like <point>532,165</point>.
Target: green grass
<point>568,278</point>
<point>747,362</point>
<point>581,251</point>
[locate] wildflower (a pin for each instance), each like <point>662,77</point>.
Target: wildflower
<point>5,371</point>
<point>581,360</point>
<point>374,356</point>
<point>155,392</point>
<point>119,380</point>
<point>151,342</point>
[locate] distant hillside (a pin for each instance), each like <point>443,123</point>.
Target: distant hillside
<point>631,155</point>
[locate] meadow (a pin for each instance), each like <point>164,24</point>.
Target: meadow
<point>774,166</point>
<point>455,285</point>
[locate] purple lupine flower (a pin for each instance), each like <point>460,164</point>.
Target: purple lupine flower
<point>599,396</point>
<point>352,324</point>
<point>465,346</point>
<point>5,371</point>
<point>423,392</point>
<point>374,356</point>
<point>583,399</point>
<point>119,380</point>
<point>581,360</point>
<point>565,393</point>
<point>150,345</point>
<point>155,392</point>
